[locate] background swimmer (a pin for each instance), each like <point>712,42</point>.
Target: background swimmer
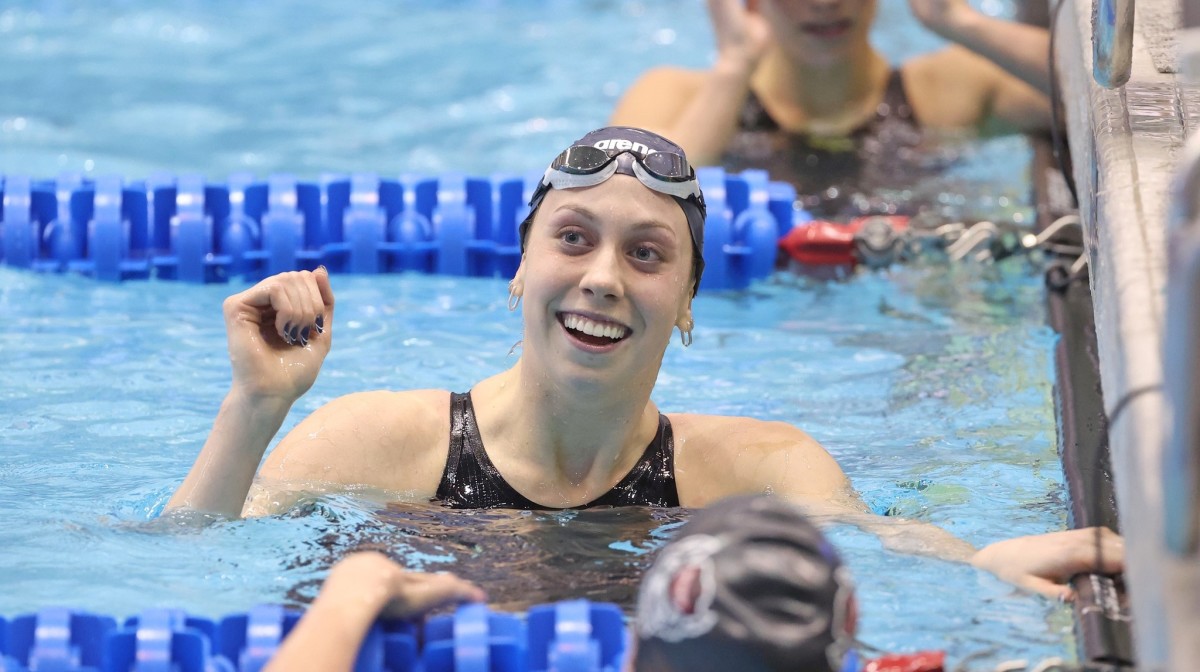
<point>797,89</point>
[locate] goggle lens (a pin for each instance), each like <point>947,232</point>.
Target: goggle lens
<point>668,166</point>
<point>585,159</point>
<point>581,160</point>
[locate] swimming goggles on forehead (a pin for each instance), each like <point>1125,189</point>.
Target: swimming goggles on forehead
<point>585,166</point>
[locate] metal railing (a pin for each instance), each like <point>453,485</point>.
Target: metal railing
<point>1112,42</point>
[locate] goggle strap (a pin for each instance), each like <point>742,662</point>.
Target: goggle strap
<point>560,180</point>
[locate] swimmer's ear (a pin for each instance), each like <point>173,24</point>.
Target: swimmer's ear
<point>516,286</point>
<point>685,310</point>
<point>685,323</point>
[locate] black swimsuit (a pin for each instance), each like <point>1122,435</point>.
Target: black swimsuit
<point>833,174</point>
<point>471,481</point>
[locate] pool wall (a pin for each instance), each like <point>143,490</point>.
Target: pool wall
<point>1125,143</point>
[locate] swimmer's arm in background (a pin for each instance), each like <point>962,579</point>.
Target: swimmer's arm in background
<point>359,589</point>
<point>699,110</point>
<point>1005,64</point>
<point>717,457</point>
<point>753,456</point>
<point>278,332</point>
<point>1020,49</point>
<point>1040,563</point>
<point>394,442</point>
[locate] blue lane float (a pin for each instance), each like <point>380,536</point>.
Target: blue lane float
<point>569,636</point>
<point>184,228</point>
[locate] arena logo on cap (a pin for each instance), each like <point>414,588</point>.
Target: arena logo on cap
<point>623,145</point>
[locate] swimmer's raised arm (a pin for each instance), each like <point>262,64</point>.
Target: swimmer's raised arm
<point>278,332</point>
<point>1000,68</point>
<point>699,110</point>
<point>1020,49</point>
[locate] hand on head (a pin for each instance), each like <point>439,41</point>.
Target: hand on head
<point>1043,563</point>
<point>279,332</point>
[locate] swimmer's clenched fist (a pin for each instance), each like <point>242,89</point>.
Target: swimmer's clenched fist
<point>279,332</point>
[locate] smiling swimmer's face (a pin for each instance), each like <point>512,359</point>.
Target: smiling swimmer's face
<point>607,276</point>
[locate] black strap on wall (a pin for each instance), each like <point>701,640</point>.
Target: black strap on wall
<point>1101,606</point>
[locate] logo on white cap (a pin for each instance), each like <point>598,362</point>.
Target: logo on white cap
<point>659,614</point>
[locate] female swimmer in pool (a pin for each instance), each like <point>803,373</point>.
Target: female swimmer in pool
<point>611,262</point>
<point>798,90</point>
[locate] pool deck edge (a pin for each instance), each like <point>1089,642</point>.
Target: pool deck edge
<point>1124,144</point>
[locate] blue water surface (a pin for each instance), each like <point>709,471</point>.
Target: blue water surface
<point>930,383</point>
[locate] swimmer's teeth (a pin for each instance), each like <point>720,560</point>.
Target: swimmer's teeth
<point>593,328</point>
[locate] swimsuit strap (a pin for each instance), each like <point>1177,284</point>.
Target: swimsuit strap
<point>651,482</point>
<point>471,481</point>
<point>755,117</point>
<point>895,100</point>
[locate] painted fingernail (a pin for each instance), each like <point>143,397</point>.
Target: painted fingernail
<point>287,332</point>
<point>294,332</point>
<point>320,324</point>
<point>304,336</point>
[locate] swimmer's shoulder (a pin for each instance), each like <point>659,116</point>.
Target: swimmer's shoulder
<point>945,88</point>
<point>956,88</point>
<point>656,99</point>
<point>382,439</point>
<point>718,456</point>
<point>731,432</point>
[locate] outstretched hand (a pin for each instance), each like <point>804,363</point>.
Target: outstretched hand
<point>742,34</point>
<point>393,590</point>
<point>279,332</point>
<point>1043,563</point>
<point>359,589</point>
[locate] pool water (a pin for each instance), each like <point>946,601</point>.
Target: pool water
<point>213,88</point>
<point>930,383</point>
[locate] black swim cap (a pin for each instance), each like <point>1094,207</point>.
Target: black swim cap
<point>747,584</point>
<point>641,143</point>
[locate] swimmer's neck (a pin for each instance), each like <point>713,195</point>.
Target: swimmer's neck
<point>578,436</point>
<point>819,96</point>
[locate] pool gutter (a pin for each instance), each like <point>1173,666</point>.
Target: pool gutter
<point>1101,613</point>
